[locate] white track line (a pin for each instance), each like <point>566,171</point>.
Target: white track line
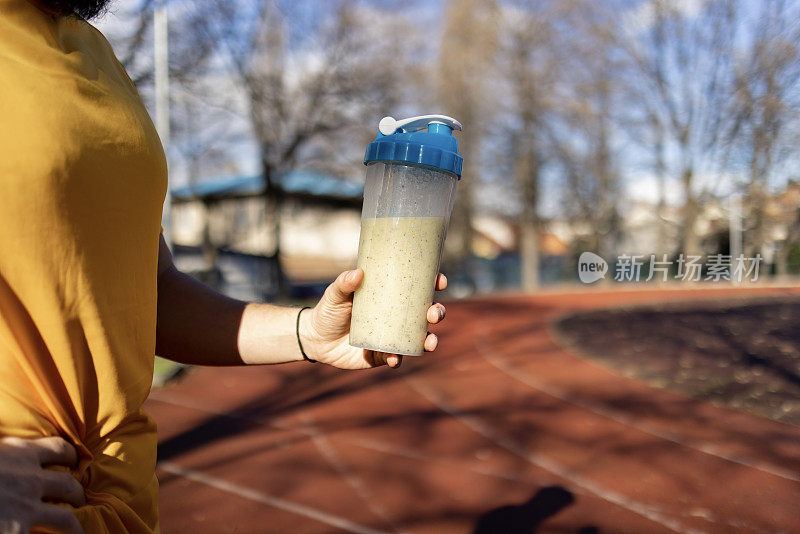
<point>328,451</point>
<point>548,464</point>
<point>317,437</point>
<point>387,448</point>
<point>623,418</point>
<point>364,443</point>
<point>269,500</point>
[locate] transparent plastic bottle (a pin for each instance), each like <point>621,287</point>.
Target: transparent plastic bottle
<point>413,167</point>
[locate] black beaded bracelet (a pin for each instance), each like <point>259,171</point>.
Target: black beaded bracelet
<point>297,329</point>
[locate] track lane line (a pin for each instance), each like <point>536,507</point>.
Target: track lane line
<point>317,438</point>
<point>620,417</point>
<point>364,443</point>
<point>475,424</point>
<point>387,448</point>
<point>328,451</point>
<point>269,500</point>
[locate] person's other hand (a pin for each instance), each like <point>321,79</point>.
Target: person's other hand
<point>325,328</point>
<point>29,491</point>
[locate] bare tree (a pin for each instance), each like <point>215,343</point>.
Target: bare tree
<point>764,111</point>
<point>683,54</point>
<point>190,52</point>
<point>591,165</point>
<point>586,115</point>
<point>529,68</point>
<point>204,136</point>
<point>306,77</point>
<point>560,98</point>
<point>465,59</point>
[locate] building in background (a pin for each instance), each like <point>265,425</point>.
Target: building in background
<point>224,235</point>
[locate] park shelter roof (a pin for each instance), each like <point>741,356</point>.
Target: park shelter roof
<point>301,184</point>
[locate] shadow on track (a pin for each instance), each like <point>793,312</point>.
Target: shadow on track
<point>527,517</point>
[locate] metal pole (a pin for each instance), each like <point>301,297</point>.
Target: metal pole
<point>161,67</point>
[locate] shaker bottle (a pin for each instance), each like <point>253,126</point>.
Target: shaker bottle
<point>412,170</point>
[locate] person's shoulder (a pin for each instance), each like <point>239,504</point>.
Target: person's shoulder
<point>93,35</point>
<point>82,34</point>
<point>103,48</point>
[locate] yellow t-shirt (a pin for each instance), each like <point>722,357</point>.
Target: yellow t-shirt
<point>82,181</point>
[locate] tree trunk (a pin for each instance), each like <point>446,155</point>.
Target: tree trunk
<point>782,260</point>
<point>661,177</point>
<point>461,94</point>
<point>792,237</point>
<point>459,255</point>
<point>461,219</point>
<point>527,170</point>
<point>529,254</point>
<point>690,241</point>
<point>273,201</point>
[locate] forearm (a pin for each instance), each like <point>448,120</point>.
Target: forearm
<point>198,325</point>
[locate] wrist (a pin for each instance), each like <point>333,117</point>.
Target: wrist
<point>306,335</point>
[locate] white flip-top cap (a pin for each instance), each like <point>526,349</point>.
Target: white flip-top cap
<point>389,125</point>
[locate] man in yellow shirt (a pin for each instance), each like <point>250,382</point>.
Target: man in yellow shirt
<point>88,292</point>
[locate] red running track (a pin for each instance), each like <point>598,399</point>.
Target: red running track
<point>502,430</point>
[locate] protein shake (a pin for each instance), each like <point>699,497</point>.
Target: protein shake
<point>400,259</point>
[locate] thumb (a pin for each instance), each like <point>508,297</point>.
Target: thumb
<point>341,290</point>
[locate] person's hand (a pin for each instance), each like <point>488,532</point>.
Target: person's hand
<point>325,329</point>
<point>28,491</point>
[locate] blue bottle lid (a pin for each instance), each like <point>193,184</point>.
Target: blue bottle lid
<point>425,140</point>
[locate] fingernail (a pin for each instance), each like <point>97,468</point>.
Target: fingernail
<point>349,276</point>
<point>441,313</point>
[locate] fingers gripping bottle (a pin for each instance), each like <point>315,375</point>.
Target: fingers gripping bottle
<point>413,167</point>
